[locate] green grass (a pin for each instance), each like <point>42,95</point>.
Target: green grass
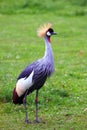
<point>63,99</point>
<point>63,7</point>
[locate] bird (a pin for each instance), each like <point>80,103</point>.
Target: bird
<point>35,74</point>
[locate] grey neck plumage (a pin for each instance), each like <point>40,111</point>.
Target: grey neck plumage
<point>48,49</point>
<point>48,56</point>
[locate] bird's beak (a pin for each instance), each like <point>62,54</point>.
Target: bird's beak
<point>54,33</point>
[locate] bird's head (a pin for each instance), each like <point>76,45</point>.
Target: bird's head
<point>50,32</point>
<point>46,31</point>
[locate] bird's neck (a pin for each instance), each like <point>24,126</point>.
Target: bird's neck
<point>48,50</point>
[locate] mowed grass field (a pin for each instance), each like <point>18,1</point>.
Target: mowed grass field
<point>63,99</point>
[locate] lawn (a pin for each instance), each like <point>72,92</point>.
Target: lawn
<point>63,99</point>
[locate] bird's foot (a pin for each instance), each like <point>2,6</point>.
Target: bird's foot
<point>28,122</point>
<point>39,121</point>
<point>35,121</point>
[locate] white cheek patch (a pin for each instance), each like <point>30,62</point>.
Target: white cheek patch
<point>48,33</point>
<point>24,83</point>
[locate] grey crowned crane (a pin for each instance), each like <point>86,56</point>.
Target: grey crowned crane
<point>34,75</point>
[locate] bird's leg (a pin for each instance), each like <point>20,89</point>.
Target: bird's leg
<point>24,103</point>
<point>36,101</point>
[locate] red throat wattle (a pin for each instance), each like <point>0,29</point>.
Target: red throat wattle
<point>49,39</point>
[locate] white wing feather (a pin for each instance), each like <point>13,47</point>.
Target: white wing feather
<point>24,83</point>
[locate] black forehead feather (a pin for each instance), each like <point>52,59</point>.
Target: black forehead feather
<point>50,30</point>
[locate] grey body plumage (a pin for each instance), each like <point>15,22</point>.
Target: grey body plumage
<point>43,68</point>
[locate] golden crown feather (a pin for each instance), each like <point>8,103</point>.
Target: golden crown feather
<point>41,32</point>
